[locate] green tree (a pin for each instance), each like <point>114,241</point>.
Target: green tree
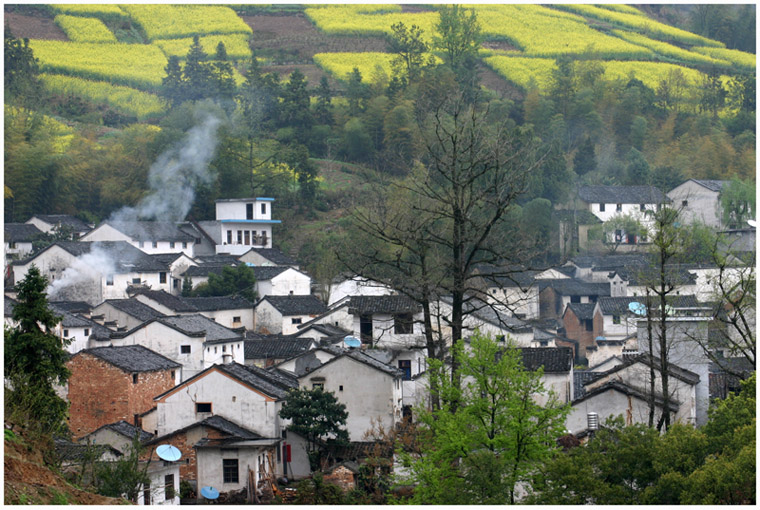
<point>584,160</point>
<point>318,416</point>
<point>637,169</point>
<point>356,92</point>
<point>197,72</point>
<point>458,36</point>
<point>737,201</point>
<point>187,286</point>
<point>35,358</point>
<point>294,108</point>
<point>233,281</point>
<point>22,85</point>
<point>489,434</point>
<point>221,51</point>
<point>125,477</point>
<point>315,491</point>
<point>409,48</point>
<point>323,108</point>
<point>173,85</point>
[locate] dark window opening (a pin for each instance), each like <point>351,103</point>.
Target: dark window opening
<point>109,279</point>
<point>230,470</point>
<point>171,245</point>
<point>236,319</point>
<point>340,388</point>
<point>365,328</point>
<point>86,332</point>
<point>406,412</point>
<point>240,237</point>
<point>65,333</point>
<point>295,321</point>
<point>136,281</point>
<point>247,237</point>
<point>184,349</point>
<point>588,324</point>
<point>619,207</point>
<point>642,207</point>
<point>403,323</point>
<point>616,319</point>
<point>319,385</point>
<point>162,277</point>
<point>249,211</point>
<point>263,208</point>
<point>405,366</point>
<point>203,407</point>
<point>169,487</point>
<point>134,378</point>
<point>229,237</point>
<point>155,244</point>
<point>146,494</point>
<point>575,299</point>
<point>684,203</point>
<point>172,374</point>
<point>601,207</point>
<point>631,239</point>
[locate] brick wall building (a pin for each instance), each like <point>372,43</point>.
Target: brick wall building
<point>583,323</point>
<point>109,384</point>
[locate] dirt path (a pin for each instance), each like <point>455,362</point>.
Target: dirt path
<point>33,27</point>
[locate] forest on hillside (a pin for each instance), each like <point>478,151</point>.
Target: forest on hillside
<point>317,141</point>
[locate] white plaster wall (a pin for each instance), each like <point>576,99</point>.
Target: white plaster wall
<point>518,301</point>
<point>290,281</point>
<point>229,399</point>
<point>702,205</point>
<point>357,287</point>
<point>338,317</point>
<point>51,264</point>
<point>614,331</point>
<point>19,251</point>
<point>384,336</point>
<point>608,404</point>
<point>266,317</point>
<point>226,317</point>
<point>105,233</point>
<point>167,342</point>
<point>237,210</point>
<point>216,354</point>
<point>110,313</point>
<point>561,384</point>
<point>322,356</point>
<point>78,339</point>
<point>209,461</point>
<point>367,393</point>
<point>157,471</point>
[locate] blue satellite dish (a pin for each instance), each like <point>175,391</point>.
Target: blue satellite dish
<point>602,338</point>
<point>168,453</point>
<point>637,308</point>
<point>352,341</point>
<point>209,493</point>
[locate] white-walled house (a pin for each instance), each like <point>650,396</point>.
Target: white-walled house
<point>95,271</point>
<point>229,311</point>
<point>284,314</point>
<point>267,257</point>
<point>244,223</point>
<point>178,264</point>
<point>355,285</point>
<point>18,240</point>
<point>149,236</point>
<point>281,281</point>
<point>387,322</point>
<point>607,202</point>
<point>49,223</point>
<point>128,313</point>
<point>698,200</point>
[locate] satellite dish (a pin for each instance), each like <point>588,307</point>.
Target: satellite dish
<point>209,493</point>
<point>752,223</point>
<point>637,308</point>
<point>168,453</point>
<point>602,338</point>
<point>352,342</point>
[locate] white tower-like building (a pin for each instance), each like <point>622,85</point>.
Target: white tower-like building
<point>245,223</point>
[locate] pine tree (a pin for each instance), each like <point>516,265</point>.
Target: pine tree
<point>174,85</point>
<point>221,51</point>
<point>323,109</point>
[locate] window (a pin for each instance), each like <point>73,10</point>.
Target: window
<point>240,237</point>
<point>203,407</point>
<point>403,324</point>
<point>109,279</point>
<point>146,493</point>
<point>249,211</point>
<point>224,348</point>
<point>601,207</point>
<point>184,245</point>
<point>405,366</point>
<point>172,374</point>
<point>295,320</point>
<point>229,237</point>
<point>184,349</point>
<point>684,203</point>
<point>319,385</point>
<point>65,333</point>
<point>247,237</point>
<point>155,244</point>
<point>230,470</point>
<point>169,487</point>
<point>575,299</point>
<point>197,240</point>
<point>175,283</point>
<point>642,207</point>
<point>136,281</point>
<point>134,378</point>
<point>619,207</point>
<point>235,319</point>
<point>588,324</point>
<point>86,332</point>
<point>162,277</point>
<point>340,388</point>
<point>263,208</point>
<point>171,244</point>
<point>616,319</point>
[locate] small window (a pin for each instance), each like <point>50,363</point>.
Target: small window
<point>136,281</point>
<point>319,385</point>
<point>601,207</point>
<point>340,388</point>
<point>263,208</point>
<point>169,487</point>
<point>619,207</point>
<point>616,319</point>
<point>295,320</point>
<point>109,279</point>
<point>249,211</point>
<point>65,333</point>
<point>575,299</point>
<point>203,407</point>
<point>86,332</point>
<point>236,319</point>
<point>175,283</point>
<point>403,324</point>
<point>172,374</point>
<point>155,244</point>
<point>171,244</point>
<point>229,237</point>
<point>134,378</point>
<point>184,349</point>
<point>230,470</point>
<point>642,207</point>
<point>224,348</point>
<point>162,277</point>
<point>197,240</point>
<point>240,237</point>
<point>405,366</point>
<point>184,245</point>
<point>684,203</point>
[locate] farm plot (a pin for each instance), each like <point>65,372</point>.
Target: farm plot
<point>236,45</point>
<point>736,57</point>
<point>340,65</point>
<point>79,29</point>
<point>361,20</point>
<point>124,99</point>
<point>523,71</point>
<point>174,21</point>
<point>135,65</point>
<point>106,12</point>
<point>671,51</point>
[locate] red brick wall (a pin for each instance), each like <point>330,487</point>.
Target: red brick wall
<point>342,477</point>
<point>101,393</point>
<point>576,330</point>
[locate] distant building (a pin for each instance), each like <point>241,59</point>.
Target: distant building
<point>244,223</point>
<point>49,223</point>
<point>699,200</point>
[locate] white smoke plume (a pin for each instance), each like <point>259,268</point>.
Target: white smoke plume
<point>81,281</point>
<point>175,175</point>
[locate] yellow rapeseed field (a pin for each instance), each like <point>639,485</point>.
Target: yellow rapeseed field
<point>166,21</point>
<point>671,51</point>
<point>736,57</point>
<point>236,45</point>
<point>79,29</point>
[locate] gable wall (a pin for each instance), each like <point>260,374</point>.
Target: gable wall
<point>703,205</point>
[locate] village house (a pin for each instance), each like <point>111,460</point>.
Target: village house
<point>95,271</point>
<point>51,223</point>
<point>164,302</point>
<point>125,313</point>
<point>607,202</point>
<point>268,350</point>
<point>177,264</point>
<point>109,384</point>
<point>698,200</point>
<point>387,322</point>
<point>77,329</point>
<point>229,311</point>
<point>244,223</point>
<point>557,363</point>
<point>199,274</point>
<point>148,236</point>
<point>267,257</point>
<point>194,341</point>
<point>352,285</point>
<point>556,294</point>
<point>18,240</point>
<point>583,323</point>
<point>283,314</point>
<point>281,281</point>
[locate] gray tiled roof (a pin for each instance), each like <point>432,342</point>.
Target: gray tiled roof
<point>197,324</point>
<point>126,429</point>
<point>622,195</point>
<point>582,310</point>
<point>626,390</point>
<point>166,258</point>
<point>296,305</point>
<point>220,259</point>
<point>275,346</point>
<point>674,274</point>
<point>360,305</point>
<point>135,308</point>
<point>132,358</point>
<point>63,219</point>
<point>69,451</point>
<point>711,184</point>
<point>263,273</point>
<point>271,383</point>
<point>275,256</point>
<point>574,287</point>
<point>21,232</point>
<point>170,301</point>
<point>126,257</point>
<point>619,305</point>
<point>485,312</point>
<point>224,425</point>
<point>580,378</point>
<point>213,303</point>
<point>612,262</point>
<point>72,306</point>
<point>553,359</point>
<point>151,230</point>
<point>673,370</point>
